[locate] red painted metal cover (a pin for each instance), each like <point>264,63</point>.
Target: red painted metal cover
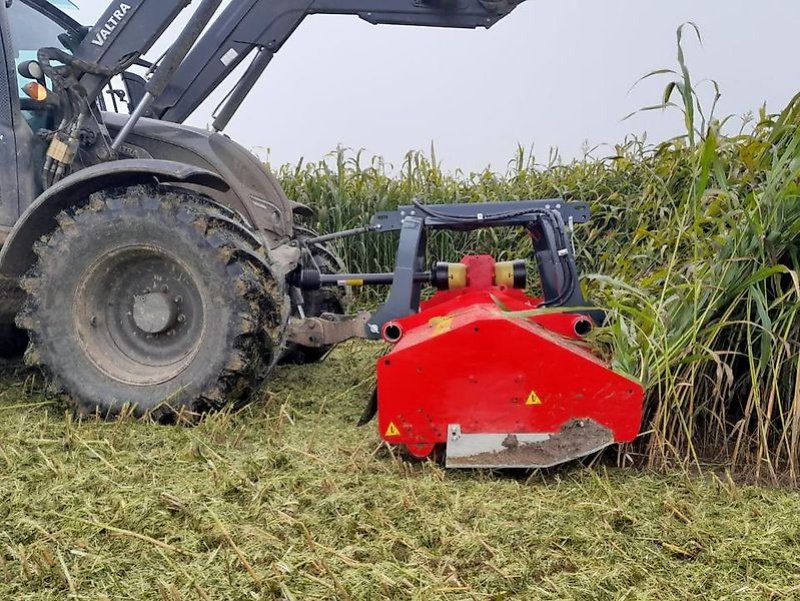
<point>465,361</point>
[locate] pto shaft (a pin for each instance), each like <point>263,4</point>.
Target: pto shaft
<point>443,276</point>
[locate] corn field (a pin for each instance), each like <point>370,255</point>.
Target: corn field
<point>692,250</point>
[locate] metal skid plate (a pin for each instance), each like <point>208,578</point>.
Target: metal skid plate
<point>576,439</point>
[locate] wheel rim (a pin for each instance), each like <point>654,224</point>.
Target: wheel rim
<point>139,315</point>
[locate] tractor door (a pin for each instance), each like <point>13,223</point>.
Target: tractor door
<point>9,123</point>
<point>24,28</point>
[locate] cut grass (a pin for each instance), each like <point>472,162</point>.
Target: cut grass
<point>288,499</point>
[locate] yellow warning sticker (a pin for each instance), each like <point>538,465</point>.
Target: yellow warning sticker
<point>441,324</point>
<point>391,430</point>
<point>533,399</point>
<point>351,282</point>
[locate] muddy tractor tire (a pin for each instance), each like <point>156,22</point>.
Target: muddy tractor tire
<point>316,302</point>
<point>155,299</point>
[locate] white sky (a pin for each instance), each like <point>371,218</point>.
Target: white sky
<point>554,73</point>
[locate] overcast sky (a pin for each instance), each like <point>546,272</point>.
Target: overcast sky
<point>554,73</point>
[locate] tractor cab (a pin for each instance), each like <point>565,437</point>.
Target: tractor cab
<point>27,104</point>
<point>31,29</point>
<point>26,26</point>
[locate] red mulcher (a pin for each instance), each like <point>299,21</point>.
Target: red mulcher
<point>497,377</point>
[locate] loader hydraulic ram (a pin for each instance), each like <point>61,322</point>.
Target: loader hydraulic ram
<point>497,377</point>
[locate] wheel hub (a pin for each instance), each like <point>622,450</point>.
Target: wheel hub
<point>155,312</point>
<point>139,315</point>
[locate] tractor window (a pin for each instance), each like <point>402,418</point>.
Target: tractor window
<point>31,30</point>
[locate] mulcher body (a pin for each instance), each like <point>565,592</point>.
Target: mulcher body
<point>478,371</point>
<point>495,376</point>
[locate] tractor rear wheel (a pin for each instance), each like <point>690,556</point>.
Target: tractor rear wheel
<point>154,298</point>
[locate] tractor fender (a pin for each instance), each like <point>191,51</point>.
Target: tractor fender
<point>17,254</point>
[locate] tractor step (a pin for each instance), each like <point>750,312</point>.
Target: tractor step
<point>576,439</point>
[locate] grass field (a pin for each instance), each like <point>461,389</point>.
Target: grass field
<point>692,251</point>
<point>288,499</point>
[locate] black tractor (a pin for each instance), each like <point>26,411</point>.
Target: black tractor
<point>148,262</point>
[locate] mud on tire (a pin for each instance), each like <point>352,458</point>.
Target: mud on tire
<point>155,298</point>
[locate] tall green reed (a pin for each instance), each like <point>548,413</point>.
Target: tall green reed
<point>692,248</point>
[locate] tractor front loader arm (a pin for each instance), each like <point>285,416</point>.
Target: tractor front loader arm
<point>205,52</point>
<point>259,28</point>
